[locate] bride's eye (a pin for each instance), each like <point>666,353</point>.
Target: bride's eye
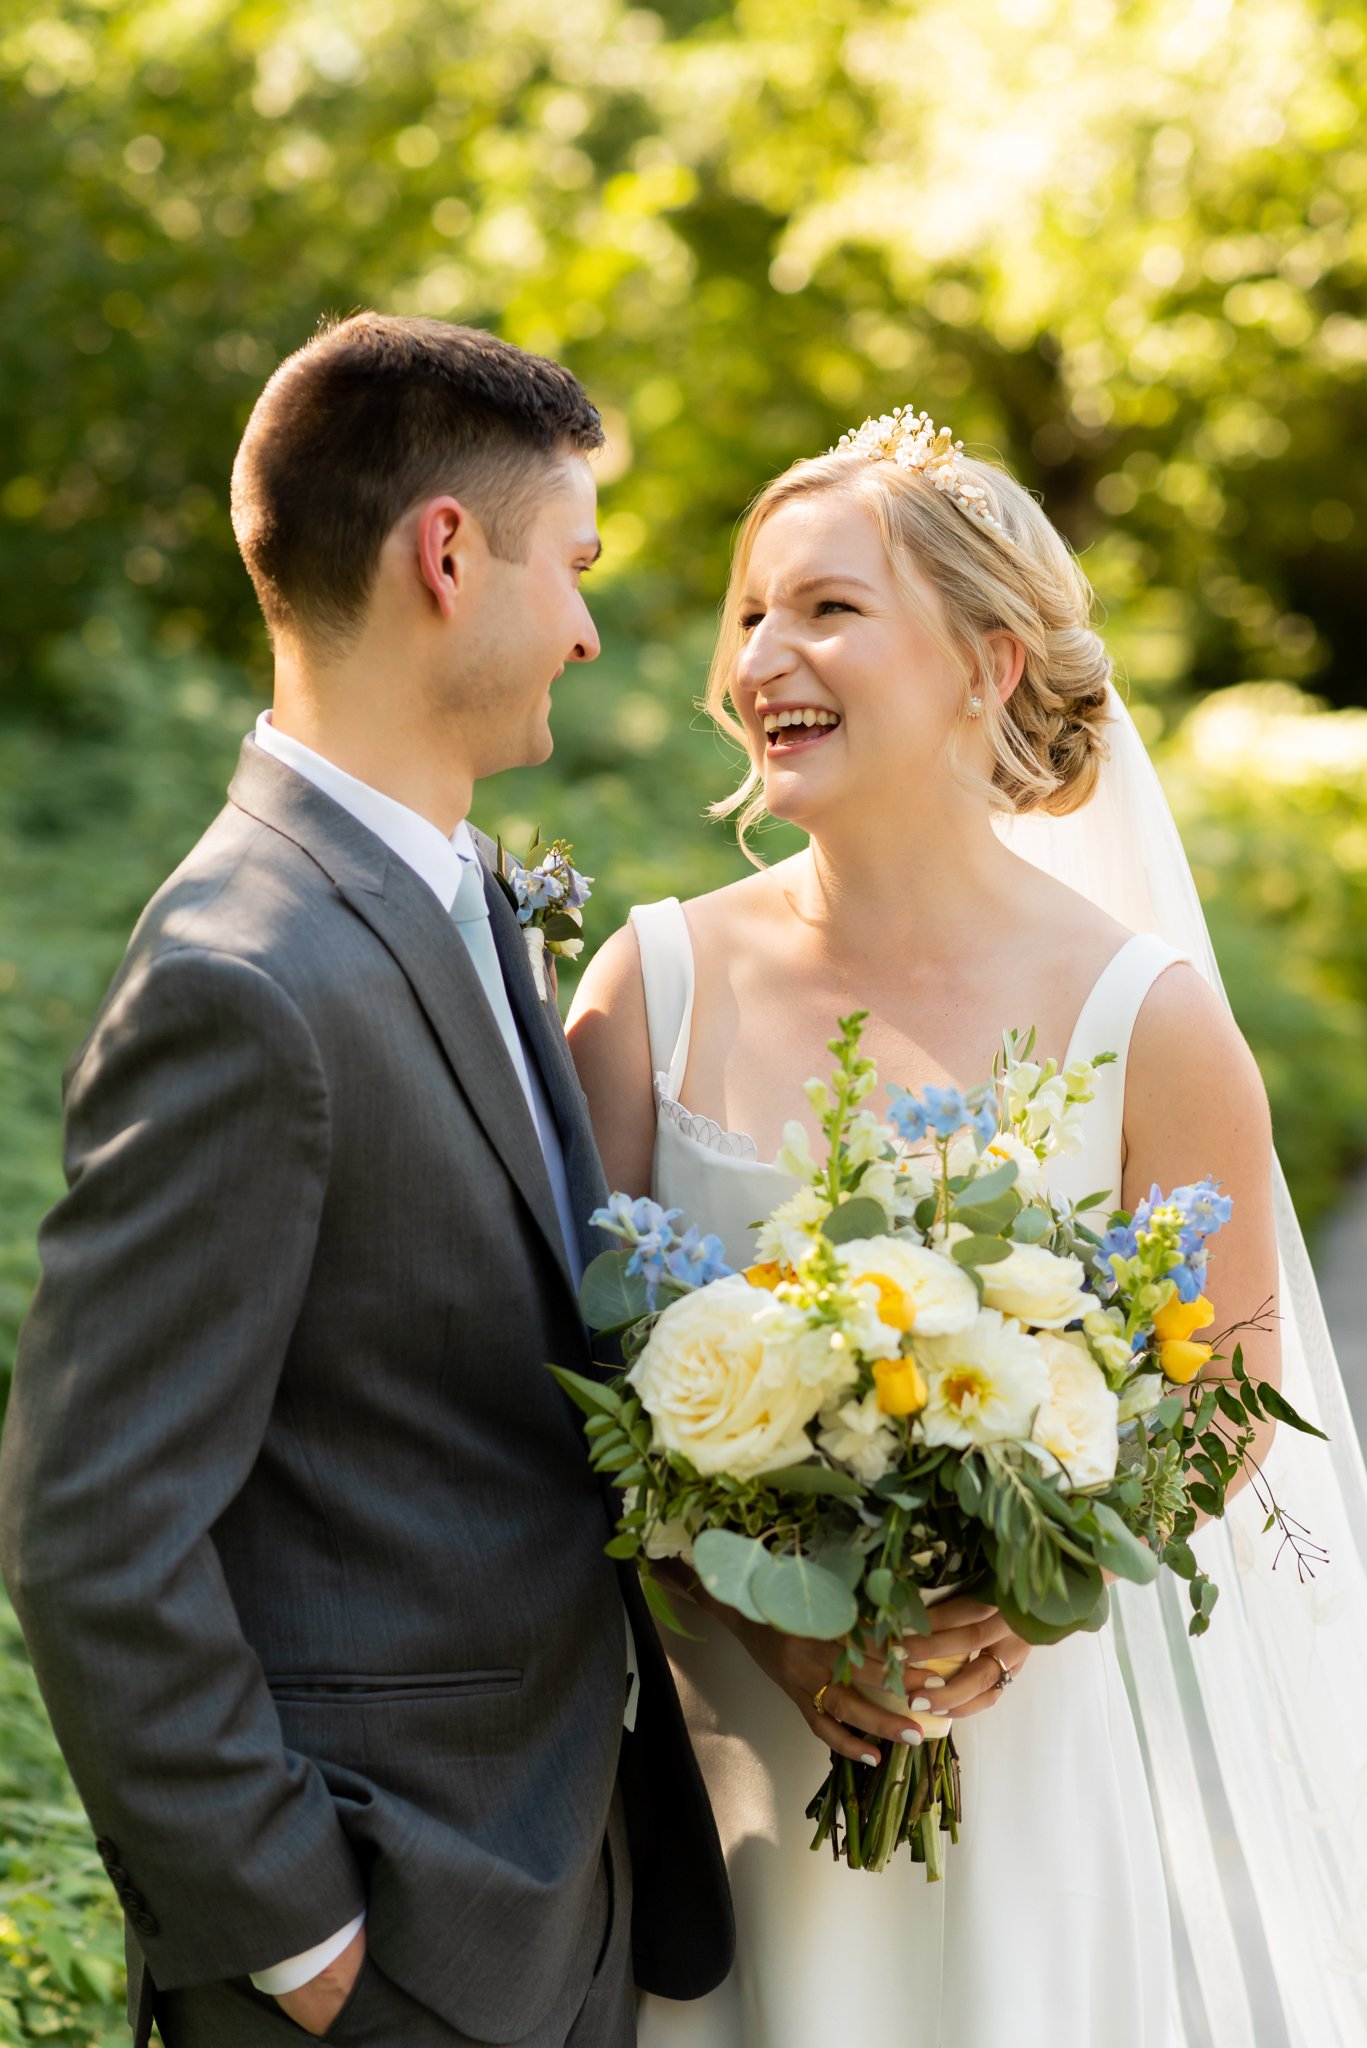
<point>834,604</point>
<point>749,621</point>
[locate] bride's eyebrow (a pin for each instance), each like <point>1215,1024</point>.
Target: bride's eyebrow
<point>810,583</point>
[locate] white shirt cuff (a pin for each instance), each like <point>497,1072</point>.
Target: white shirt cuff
<point>302,1969</point>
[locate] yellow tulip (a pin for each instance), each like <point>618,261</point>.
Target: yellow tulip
<point>901,1388</point>
<point>770,1274</point>
<point>1181,1360</point>
<point>1179,1319</point>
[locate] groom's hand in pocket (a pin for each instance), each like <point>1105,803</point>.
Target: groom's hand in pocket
<point>315,2005</point>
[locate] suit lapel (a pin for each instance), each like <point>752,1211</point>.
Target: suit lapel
<point>410,923</point>
<point>539,1023</point>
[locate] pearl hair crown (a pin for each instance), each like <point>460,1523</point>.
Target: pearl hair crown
<point>912,441</point>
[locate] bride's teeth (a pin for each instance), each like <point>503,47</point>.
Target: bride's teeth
<point>809,718</point>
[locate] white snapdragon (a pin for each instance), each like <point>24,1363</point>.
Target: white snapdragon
<point>795,1154</point>
<point>856,1435</point>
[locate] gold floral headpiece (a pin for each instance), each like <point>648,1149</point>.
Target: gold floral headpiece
<point>912,440</point>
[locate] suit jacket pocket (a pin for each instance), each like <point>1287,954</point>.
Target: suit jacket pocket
<point>367,1689</point>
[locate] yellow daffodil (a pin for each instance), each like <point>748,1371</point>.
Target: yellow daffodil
<point>901,1386</point>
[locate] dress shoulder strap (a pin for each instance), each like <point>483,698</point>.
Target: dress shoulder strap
<point>667,973</point>
<point>1106,1024</point>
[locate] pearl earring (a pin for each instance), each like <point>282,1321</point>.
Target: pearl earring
<point>975,706</point>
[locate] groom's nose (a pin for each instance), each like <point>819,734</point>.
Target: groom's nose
<point>588,646</point>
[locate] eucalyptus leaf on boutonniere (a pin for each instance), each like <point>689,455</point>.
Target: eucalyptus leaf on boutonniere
<point>548,895</point>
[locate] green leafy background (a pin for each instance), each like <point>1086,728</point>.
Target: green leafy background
<point>1123,246</point>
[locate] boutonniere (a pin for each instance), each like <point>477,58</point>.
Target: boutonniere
<point>548,893</point>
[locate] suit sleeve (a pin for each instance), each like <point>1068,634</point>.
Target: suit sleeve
<point>173,1272</point>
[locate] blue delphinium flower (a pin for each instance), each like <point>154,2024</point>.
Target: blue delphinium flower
<point>648,1229</point>
<point>941,1112</point>
<point>697,1260</point>
<point>1205,1209</point>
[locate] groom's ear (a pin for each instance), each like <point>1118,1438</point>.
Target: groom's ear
<point>444,535</point>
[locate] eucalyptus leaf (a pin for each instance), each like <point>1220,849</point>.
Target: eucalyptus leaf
<point>1119,1550</point>
<point>802,1598</point>
<point>726,1564</point>
<point>858,1217</point>
<point>609,1296</point>
<point>815,1479</point>
<point>1031,1226</point>
<point>989,1216</point>
<point>658,1601</point>
<point>979,1251</point>
<point>844,1559</point>
<point>987,1186</point>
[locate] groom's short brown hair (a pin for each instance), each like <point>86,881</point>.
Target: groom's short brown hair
<point>368,418</point>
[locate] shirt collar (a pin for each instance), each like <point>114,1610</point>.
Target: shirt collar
<point>416,840</point>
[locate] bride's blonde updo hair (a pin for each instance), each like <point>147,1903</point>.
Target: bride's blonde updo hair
<point>997,564</point>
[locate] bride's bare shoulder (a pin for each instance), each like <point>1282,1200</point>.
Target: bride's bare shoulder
<point>724,914</point>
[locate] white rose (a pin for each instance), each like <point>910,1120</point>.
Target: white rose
<point>985,1382</point>
<point>1038,1286</point>
<point>787,1236</point>
<point>857,1436</point>
<point>916,1289</point>
<point>1078,1419</point>
<point>718,1380</point>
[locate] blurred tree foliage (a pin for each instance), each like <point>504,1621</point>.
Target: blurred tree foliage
<point>1121,243</point>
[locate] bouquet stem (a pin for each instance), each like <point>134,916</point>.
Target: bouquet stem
<point>866,1811</point>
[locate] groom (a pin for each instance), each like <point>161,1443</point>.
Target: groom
<point>299,1528</point>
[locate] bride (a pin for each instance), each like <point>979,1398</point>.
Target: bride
<point>906,652</point>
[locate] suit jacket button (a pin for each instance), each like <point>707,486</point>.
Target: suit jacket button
<point>145,1922</point>
<point>107,1851</point>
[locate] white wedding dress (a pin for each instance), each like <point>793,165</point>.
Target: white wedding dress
<point>1050,1928</point>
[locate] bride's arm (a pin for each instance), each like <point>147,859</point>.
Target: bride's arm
<point>610,1041</point>
<point>1195,1107</point>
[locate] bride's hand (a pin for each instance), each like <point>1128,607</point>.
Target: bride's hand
<point>802,1667</point>
<point>963,1627</point>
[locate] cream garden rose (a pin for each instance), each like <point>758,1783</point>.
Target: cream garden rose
<point>1038,1286</point>
<point>1078,1419</point>
<point>984,1383</point>
<point>730,1378</point>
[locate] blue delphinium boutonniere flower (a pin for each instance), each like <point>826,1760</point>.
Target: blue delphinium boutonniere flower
<point>548,894</point>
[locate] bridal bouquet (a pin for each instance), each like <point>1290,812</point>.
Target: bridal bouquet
<point>936,1376</point>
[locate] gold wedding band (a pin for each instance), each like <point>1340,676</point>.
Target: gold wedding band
<point>819,1697</point>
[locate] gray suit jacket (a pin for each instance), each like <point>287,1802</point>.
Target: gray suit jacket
<point>299,1528</point>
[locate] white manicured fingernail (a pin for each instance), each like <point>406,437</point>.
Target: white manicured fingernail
<point>920,1704</point>
<point>911,1735</point>
<point>899,1655</point>
<point>931,1684</point>
<point>872,1757</point>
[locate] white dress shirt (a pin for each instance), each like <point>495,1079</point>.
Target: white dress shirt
<point>437,861</point>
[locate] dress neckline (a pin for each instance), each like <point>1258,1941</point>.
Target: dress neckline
<point>738,1146</point>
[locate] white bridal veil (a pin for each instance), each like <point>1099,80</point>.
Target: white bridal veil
<point>1255,1736</point>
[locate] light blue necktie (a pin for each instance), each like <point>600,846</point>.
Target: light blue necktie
<point>470,913</point>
